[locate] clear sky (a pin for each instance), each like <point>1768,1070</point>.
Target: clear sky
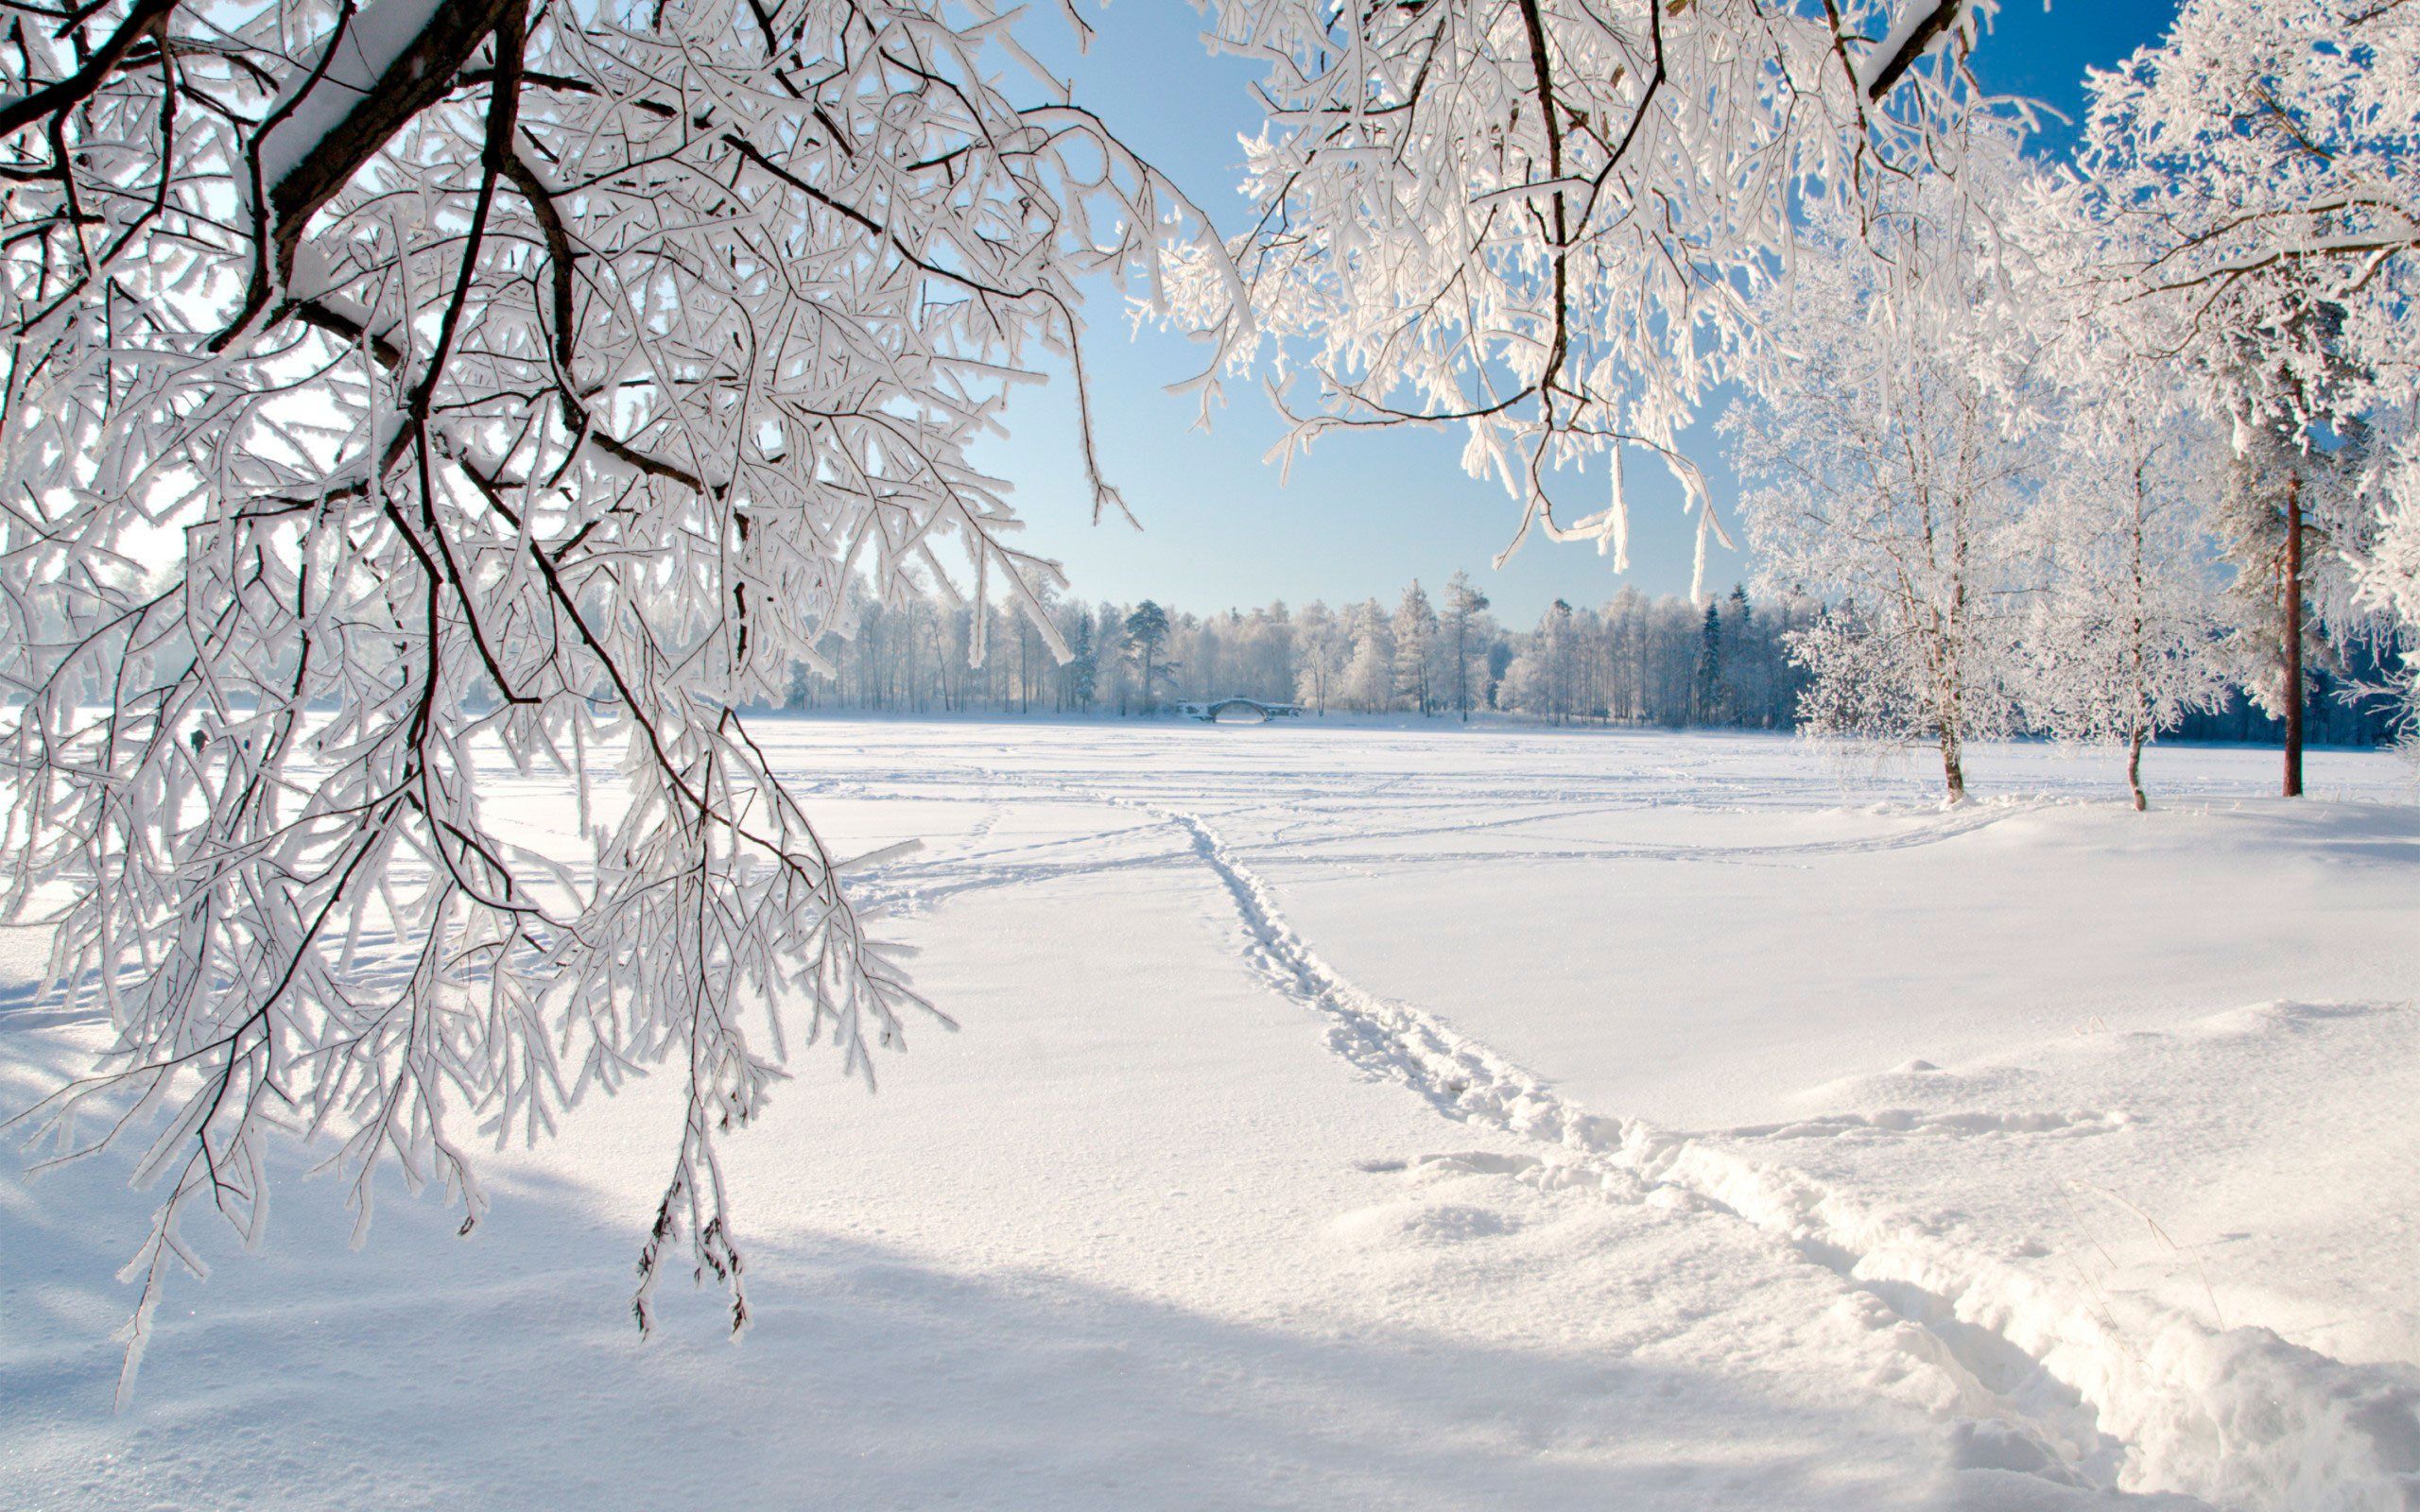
<point>1364,513</point>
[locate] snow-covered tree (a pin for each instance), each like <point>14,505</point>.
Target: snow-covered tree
<point>1415,638</point>
<point>1115,675</point>
<point>1746,666</point>
<point>1264,654</point>
<point>1889,457</point>
<point>2126,635</point>
<point>1544,676</point>
<point>2252,182</point>
<point>1538,220</point>
<point>396,387</point>
<point>1710,684</point>
<point>2289,519</point>
<point>1369,680</point>
<point>1465,603</point>
<point>1146,631</point>
<point>1320,652</point>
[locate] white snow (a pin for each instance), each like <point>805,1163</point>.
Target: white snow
<point>1373,1116</point>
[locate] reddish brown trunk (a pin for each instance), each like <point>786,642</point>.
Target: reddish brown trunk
<point>2293,648</point>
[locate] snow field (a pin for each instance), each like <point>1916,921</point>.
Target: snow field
<point>1174,1219</point>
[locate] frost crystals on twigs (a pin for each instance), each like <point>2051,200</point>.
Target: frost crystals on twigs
<point>401,397</point>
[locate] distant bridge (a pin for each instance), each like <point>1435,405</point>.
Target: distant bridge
<point>1238,710</point>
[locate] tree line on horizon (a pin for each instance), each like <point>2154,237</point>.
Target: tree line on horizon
<point>1642,658</point>
<point>1738,661</point>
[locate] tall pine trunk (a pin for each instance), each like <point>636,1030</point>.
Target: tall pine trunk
<point>2144,713</point>
<point>2293,647</point>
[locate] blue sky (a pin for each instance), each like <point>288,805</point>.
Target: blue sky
<point>1364,513</point>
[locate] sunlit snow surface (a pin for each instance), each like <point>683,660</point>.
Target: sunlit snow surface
<point>1357,1116</point>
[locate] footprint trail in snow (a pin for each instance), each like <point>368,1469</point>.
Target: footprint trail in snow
<point>2044,1383</point>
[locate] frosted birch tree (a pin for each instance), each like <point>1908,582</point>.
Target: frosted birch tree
<point>2127,634</point>
<point>1321,649</point>
<point>1887,459</point>
<point>1416,647</point>
<point>392,386</point>
<point>1369,677</point>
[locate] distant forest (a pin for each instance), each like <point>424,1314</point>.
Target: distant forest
<point>1639,659</point>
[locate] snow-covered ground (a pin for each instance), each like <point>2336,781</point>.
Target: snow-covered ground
<point>1372,1116</point>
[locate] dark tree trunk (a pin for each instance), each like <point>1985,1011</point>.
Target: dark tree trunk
<point>2293,647</point>
<point>2135,766</point>
<point>1463,667</point>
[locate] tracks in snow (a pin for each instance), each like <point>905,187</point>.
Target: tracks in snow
<point>970,866</point>
<point>2045,1383</point>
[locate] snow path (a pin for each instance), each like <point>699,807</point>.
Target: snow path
<point>2045,1385</point>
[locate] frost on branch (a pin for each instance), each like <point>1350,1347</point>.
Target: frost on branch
<point>398,393</point>
<point>1542,220</point>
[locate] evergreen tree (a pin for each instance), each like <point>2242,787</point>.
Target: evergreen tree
<point>1083,672</point>
<point>1146,631</point>
<point>1415,635</point>
<point>1743,673</point>
<point>2290,522</point>
<point>1463,605</point>
<point>1709,688</point>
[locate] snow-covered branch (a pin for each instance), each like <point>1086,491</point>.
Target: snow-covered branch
<point>1543,222</point>
<point>398,392</point>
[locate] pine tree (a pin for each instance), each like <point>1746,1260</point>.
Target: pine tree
<point>1464,606</point>
<point>2290,522</point>
<point>1415,634</point>
<point>1743,699</point>
<point>1709,688</point>
<point>1083,672</point>
<point>1146,631</point>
